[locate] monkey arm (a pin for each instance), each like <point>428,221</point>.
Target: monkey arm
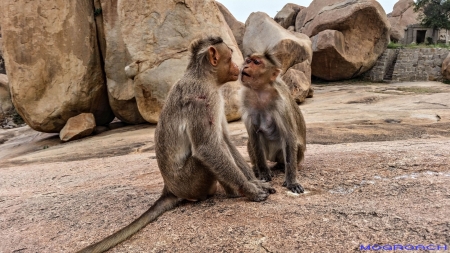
<point>238,159</point>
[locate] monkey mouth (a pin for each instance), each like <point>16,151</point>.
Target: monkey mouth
<point>245,74</point>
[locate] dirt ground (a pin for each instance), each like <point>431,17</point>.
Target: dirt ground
<point>377,171</point>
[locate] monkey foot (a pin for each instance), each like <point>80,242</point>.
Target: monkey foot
<point>295,187</point>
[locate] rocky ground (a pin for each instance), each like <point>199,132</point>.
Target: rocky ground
<point>376,172</point>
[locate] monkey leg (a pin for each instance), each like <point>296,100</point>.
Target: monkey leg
<point>291,155</point>
<point>194,181</point>
<point>258,159</point>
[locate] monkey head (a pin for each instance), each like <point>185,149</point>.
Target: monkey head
<point>220,57</point>
<point>259,70</point>
<point>212,58</point>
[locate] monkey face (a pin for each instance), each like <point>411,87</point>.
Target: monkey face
<point>230,68</point>
<point>221,59</point>
<point>255,73</point>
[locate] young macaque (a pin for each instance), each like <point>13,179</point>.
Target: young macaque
<point>274,122</point>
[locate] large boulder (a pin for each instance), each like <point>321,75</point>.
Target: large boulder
<point>54,67</point>
<point>120,88</point>
<point>446,68</point>
<point>236,26</point>
<point>286,16</point>
<point>262,33</point>
<point>157,34</point>
<point>402,16</point>
<point>348,36</point>
<point>5,97</point>
<point>298,80</point>
<point>78,127</point>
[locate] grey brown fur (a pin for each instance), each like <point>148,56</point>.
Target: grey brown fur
<point>275,124</point>
<point>193,148</point>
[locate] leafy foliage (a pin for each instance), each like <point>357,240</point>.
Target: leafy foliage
<point>436,13</point>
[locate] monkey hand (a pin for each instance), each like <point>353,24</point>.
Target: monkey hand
<point>255,193</point>
<point>294,187</point>
<point>265,186</point>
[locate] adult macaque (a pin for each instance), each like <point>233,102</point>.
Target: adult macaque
<point>192,145</point>
<point>274,122</point>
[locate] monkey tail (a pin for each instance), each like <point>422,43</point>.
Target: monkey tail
<point>165,203</point>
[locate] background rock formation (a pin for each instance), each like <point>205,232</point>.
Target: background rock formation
<point>286,16</point>
<point>54,66</point>
<point>291,48</point>
<point>120,87</point>
<point>5,97</point>
<point>347,36</point>
<point>446,68</point>
<point>298,79</point>
<point>402,16</point>
<point>2,61</point>
<point>263,33</point>
<point>236,26</point>
<point>157,35</point>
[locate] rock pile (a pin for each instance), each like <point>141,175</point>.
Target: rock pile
<point>69,58</point>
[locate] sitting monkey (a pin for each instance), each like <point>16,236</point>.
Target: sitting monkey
<point>193,148</point>
<point>274,122</point>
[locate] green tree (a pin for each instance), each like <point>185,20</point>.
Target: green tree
<point>436,13</point>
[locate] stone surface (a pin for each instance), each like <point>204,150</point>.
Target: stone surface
<point>2,61</point>
<point>286,16</point>
<point>263,33</point>
<point>157,37</point>
<point>446,68</point>
<point>120,88</point>
<point>364,175</point>
<point>237,27</point>
<point>402,16</point>
<point>378,72</point>
<point>52,54</point>
<point>422,64</point>
<point>5,96</point>
<point>78,127</point>
<point>344,42</point>
<point>298,79</point>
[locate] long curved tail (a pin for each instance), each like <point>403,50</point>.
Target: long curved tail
<point>164,203</point>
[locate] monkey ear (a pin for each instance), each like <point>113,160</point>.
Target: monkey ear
<point>214,56</point>
<point>275,74</point>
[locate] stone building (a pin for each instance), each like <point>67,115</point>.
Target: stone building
<point>418,34</point>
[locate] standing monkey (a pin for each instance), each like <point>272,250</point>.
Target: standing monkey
<point>193,148</point>
<point>274,122</point>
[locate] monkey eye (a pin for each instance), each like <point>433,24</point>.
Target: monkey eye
<point>256,62</point>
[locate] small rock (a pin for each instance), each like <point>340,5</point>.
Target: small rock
<point>78,127</point>
<point>292,194</point>
<point>286,17</point>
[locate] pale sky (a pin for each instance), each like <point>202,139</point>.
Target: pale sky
<point>241,9</point>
